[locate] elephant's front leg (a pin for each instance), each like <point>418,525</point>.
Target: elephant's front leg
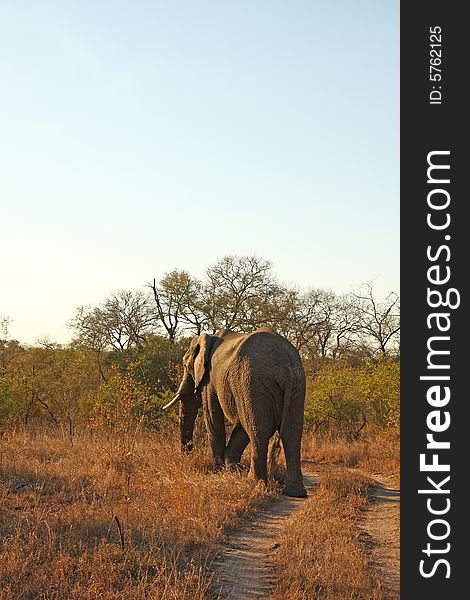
<point>214,419</point>
<point>239,440</point>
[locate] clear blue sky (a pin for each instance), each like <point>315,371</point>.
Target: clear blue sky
<point>138,137</point>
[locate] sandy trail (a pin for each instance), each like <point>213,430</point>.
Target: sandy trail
<point>382,524</point>
<point>242,571</point>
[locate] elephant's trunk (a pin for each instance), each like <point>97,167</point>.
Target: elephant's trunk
<point>188,414</point>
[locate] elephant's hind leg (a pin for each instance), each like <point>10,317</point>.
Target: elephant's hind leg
<point>239,440</point>
<point>294,484</point>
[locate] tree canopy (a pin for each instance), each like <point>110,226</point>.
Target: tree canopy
<point>126,352</point>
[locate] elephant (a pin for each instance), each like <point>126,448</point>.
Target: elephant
<point>256,382</point>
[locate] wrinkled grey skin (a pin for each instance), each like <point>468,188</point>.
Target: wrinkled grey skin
<point>257,382</point>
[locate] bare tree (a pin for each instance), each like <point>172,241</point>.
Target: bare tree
<point>178,302</point>
<point>325,314</point>
<point>297,316</point>
<point>130,314</point>
<point>237,291</point>
<point>379,321</point>
<point>122,321</point>
<point>340,325</point>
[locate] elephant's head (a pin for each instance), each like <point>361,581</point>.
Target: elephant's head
<point>195,363</point>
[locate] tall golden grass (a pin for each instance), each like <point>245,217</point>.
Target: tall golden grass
<point>126,515</point>
<point>376,452</point>
<point>322,554</point>
<point>109,517</point>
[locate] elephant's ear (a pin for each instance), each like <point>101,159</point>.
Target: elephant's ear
<point>205,344</point>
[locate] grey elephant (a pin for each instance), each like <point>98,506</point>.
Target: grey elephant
<point>257,382</point>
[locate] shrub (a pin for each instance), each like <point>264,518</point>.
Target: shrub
<point>344,398</point>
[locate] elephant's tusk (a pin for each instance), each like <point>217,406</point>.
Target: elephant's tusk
<point>171,402</point>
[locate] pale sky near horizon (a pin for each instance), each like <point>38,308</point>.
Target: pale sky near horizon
<point>138,137</point>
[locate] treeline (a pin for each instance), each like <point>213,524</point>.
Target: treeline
<point>124,360</point>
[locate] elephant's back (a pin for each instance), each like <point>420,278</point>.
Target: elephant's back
<point>251,375</point>
<point>267,368</point>
<point>266,354</point>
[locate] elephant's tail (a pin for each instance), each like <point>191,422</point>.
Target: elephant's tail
<point>288,390</point>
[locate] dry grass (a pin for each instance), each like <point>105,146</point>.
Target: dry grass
<point>112,517</point>
<point>121,516</point>
<point>322,554</point>
<point>376,452</point>
<point>383,453</point>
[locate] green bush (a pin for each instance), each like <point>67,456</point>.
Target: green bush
<point>345,398</point>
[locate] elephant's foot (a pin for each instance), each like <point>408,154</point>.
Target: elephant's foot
<point>296,490</point>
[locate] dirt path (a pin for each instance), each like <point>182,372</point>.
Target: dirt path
<point>382,524</point>
<point>242,571</point>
